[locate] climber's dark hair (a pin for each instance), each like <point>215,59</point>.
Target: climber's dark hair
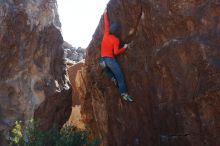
<point>115,29</point>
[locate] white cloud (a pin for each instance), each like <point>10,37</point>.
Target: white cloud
<point>79,19</point>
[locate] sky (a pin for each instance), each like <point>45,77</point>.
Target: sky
<point>79,19</point>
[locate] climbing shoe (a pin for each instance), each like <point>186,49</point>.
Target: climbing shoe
<point>127,97</point>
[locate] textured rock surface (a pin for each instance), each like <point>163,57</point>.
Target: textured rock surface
<point>74,73</point>
<point>172,69</point>
<point>76,117</point>
<point>32,72</point>
<point>73,55</point>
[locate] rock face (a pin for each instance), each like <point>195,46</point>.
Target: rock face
<point>74,73</point>
<point>75,77</point>
<point>172,69</point>
<point>32,72</point>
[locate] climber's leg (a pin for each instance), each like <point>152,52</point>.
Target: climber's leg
<point>109,73</point>
<point>115,68</point>
<point>110,76</point>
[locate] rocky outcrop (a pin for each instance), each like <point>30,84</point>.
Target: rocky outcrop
<point>72,54</point>
<point>32,73</point>
<point>172,70</point>
<point>74,73</point>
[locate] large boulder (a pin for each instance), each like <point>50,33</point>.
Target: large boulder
<point>74,76</point>
<point>171,68</point>
<point>32,73</point>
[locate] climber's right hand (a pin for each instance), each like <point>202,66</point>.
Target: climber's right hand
<point>125,46</point>
<point>105,11</point>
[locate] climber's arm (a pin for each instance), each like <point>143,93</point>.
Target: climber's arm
<point>118,51</point>
<point>106,22</point>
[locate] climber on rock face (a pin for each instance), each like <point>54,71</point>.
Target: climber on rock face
<point>109,49</point>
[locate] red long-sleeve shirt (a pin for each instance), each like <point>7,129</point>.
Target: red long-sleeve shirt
<point>110,43</point>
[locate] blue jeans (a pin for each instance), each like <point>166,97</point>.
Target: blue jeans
<point>113,70</point>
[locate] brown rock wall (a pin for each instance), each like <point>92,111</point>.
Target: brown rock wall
<point>172,69</point>
<point>73,72</point>
<point>32,69</point>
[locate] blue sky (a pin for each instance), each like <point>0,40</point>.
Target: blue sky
<point>79,19</point>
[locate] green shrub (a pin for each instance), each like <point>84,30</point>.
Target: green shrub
<point>67,136</point>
